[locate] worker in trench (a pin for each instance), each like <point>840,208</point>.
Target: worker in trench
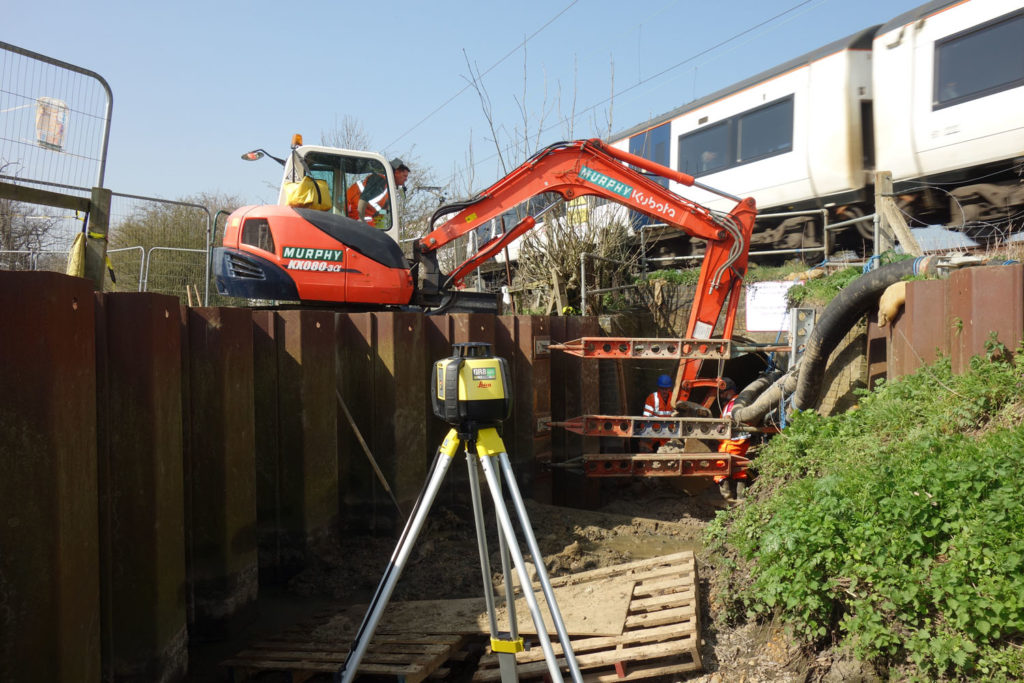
<point>738,445</point>
<point>658,404</point>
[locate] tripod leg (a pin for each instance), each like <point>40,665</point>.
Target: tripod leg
<point>489,444</point>
<point>393,572</point>
<point>542,572</point>
<point>481,540</point>
<point>505,645</point>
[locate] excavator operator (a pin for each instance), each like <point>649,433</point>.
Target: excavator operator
<point>366,197</point>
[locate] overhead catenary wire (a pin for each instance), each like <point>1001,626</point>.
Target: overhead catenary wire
<point>487,71</point>
<point>657,75</point>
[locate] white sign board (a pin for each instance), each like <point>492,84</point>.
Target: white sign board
<point>766,306</point>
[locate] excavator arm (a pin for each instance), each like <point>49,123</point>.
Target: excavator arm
<point>589,167</point>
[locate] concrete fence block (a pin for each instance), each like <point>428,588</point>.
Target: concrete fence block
<point>49,548</point>
<point>138,359</point>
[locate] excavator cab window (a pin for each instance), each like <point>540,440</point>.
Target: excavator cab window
<point>367,196</point>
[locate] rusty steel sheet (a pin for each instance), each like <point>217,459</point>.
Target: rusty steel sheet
<point>50,561</point>
<point>401,377</point>
<point>220,468</point>
<point>920,333</point>
<point>473,327</point>
<point>307,412</point>
<point>142,482</point>
<point>532,380</point>
<point>267,444</point>
<point>627,427</point>
<point>663,464</point>
<point>983,302</point>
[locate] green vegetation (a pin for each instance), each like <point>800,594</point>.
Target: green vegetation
<point>821,291</point>
<point>896,528</point>
<point>684,276</point>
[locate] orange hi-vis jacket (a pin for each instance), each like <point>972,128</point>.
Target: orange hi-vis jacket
<point>355,191</point>
<point>737,446</point>
<point>655,407</point>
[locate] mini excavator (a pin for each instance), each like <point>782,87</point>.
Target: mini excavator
<point>310,249</point>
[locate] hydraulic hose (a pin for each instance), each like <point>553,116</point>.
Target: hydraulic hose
<point>766,399</point>
<point>840,316</point>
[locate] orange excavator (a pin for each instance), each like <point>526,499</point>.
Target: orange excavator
<point>294,252</point>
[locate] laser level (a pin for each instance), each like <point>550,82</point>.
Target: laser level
<point>472,385</point>
<point>472,391</point>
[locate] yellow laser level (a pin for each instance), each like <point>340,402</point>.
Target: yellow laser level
<point>471,386</point>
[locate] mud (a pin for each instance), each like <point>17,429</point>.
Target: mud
<point>640,519</point>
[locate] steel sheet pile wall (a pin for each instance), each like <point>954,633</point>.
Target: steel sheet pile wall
<point>220,472</point>
<point>958,317</point>
<point>575,391</point>
<point>158,463</point>
<point>49,543</point>
<point>384,365</point>
<point>142,523</point>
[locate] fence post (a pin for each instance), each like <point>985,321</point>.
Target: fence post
<point>890,216</point>
<point>96,244</point>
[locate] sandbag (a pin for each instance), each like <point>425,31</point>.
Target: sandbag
<point>893,299</point>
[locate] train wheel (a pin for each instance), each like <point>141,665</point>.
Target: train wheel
<point>811,239</point>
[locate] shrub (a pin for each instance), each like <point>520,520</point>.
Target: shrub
<point>896,528</point>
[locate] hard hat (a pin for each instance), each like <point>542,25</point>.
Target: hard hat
<point>730,385</point>
<point>665,382</point>
<point>398,165</point>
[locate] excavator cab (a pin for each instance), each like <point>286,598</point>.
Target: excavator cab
<point>347,174</point>
<point>315,245</point>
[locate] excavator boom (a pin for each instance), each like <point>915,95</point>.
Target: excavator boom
<point>589,167</point>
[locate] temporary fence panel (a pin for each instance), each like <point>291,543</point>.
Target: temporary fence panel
<point>54,119</point>
<point>175,239</point>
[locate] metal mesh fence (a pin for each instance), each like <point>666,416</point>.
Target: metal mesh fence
<point>156,245</point>
<point>54,119</point>
<point>161,246</point>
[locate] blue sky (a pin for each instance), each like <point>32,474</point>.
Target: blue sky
<point>196,84</point>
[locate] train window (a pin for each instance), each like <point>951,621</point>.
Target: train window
<point>765,131</point>
<point>981,61</point>
<point>706,150</point>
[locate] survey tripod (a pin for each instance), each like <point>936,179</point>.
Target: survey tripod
<point>471,391</point>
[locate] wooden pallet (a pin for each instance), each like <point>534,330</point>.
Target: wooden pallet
<point>408,658</point>
<point>661,635</point>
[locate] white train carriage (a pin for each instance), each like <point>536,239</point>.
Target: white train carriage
<point>791,137</point>
<point>949,108</point>
<point>935,96</point>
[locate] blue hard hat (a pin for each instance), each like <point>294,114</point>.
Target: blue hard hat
<point>665,382</point>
